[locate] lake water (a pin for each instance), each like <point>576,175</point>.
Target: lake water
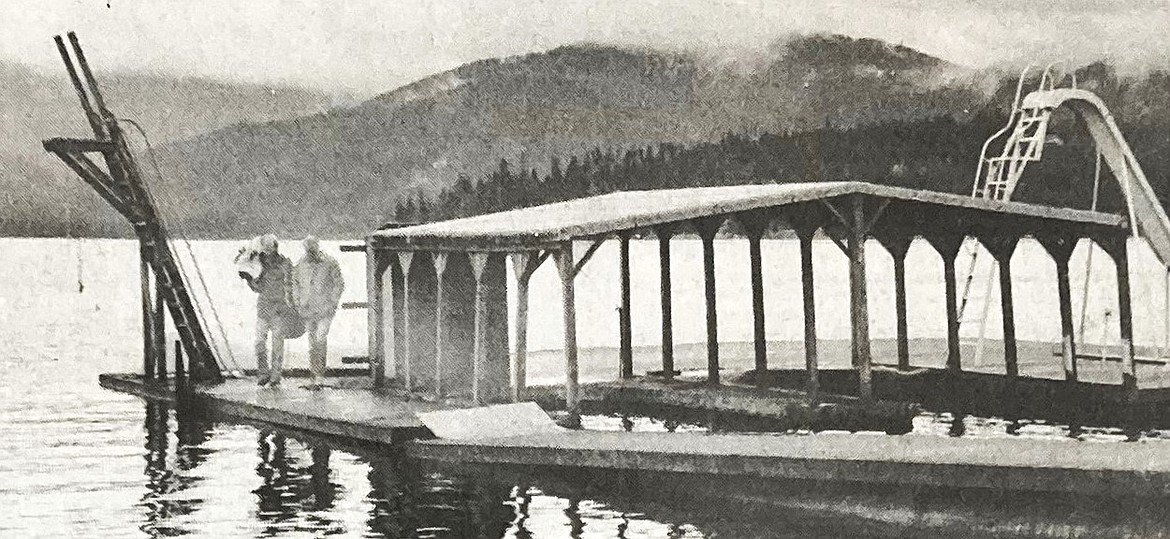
<point>83,462</point>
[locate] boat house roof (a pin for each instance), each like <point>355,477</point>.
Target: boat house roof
<point>598,216</point>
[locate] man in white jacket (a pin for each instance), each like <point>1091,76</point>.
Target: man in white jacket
<point>317,287</point>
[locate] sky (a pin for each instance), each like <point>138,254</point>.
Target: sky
<point>363,47</point>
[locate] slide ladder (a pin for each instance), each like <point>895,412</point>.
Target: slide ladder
<point>998,176</point>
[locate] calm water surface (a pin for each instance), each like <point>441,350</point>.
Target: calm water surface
<point>78,461</point>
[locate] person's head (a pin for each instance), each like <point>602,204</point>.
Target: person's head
<point>312,246</point>
<point>269,244</point>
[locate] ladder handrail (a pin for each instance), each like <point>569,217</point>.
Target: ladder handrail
<point>1011,120</point>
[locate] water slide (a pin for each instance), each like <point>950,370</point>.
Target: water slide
<point>1026,143</point>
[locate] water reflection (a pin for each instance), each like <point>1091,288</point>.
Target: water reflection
<point>408,503</point>
<point>167,478</point>
<point>292,495</point>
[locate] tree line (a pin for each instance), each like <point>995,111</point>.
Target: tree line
<point>939,154</point>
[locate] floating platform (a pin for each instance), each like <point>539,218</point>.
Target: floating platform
<point>1057,466</point>
<point>353,412</point>
<point>349,408</point>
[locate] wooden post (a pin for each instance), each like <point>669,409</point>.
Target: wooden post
<point>404,260</point>
<point>159,325</point>
<point>376,264</point>
<point>707,228</point>
<point>1060,248</point>
<point>1068,341</point>
<point>805,232</point>
<point>389,353</point>
<point>755,224</point>
<point>626,353</point>
<point>478,263</point>
<point>1002,248</point>
<point>440,261</point>
<point>664,234</point>
<point>900,312</point>
<point>1119,251</point>
<point>523,265</point>
<point>566,269</point>
<point>859,311</point>
<point>898,245</point>
<point>148,368</point>
<point>954,357</point>
<point>947,244</point>
<point>180,369</point>
<point>520,368</point>
<point>759,337</point>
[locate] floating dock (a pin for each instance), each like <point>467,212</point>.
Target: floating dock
<point>924,461</point>
<point>352,412</point>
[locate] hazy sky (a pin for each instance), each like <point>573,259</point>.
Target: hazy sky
<point>368,46</point>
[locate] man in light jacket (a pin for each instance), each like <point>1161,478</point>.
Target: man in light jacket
<point>317,287</point>
<point>274,308</point>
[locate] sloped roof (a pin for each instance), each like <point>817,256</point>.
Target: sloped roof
<point>627,210</point>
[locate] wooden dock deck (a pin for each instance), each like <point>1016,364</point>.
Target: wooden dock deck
<point>351,411</point>
<point>1084,468</point>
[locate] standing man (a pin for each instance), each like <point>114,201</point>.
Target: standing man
<point>317,287</point>
<point>274,311</point>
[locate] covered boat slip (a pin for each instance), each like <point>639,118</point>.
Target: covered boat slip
<point>438,303</point>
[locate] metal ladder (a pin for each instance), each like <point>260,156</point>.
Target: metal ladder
<point>996,177</point>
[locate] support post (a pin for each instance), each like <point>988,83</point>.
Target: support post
<point>626,346</point>
<point>404,260</point>
<point>440,261</point>
<point>707,228</point>
<point>180,368</point>
<point>566,269</point>
<point>1068,341</point>
<point>148,356</point>
<point>954,353</point>
<point>664,234</point>
<point>898,245</point>
<point>1119,251</point>
<point>376,264</point>
<point>523,265</point>
<point>1060,248</point>
<point>805,230</point>
<point>755,224</point>
<point>1002,248</point>
<point>159,327</point>
<point>947,244</point>
<point>859,301</point>
<point>478,263</point>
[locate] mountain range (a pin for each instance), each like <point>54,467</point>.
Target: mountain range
<point>238,160</point>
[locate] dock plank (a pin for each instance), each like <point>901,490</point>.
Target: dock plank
<point>351,410</point>
<point>1071,467</point>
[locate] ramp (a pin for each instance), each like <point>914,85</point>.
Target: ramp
<point>498,421</point>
